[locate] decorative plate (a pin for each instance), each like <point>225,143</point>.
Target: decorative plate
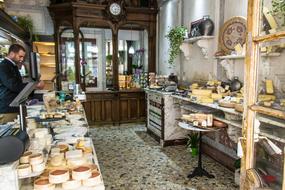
<point>233,32</point>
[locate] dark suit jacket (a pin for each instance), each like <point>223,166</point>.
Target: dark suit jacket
<point>11,85</point>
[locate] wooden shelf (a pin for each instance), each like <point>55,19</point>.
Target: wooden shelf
<point>243,56</point>
<point>232,123</point>
<point>270,136</point>
<point>268,111</point>
<point>271,121</point>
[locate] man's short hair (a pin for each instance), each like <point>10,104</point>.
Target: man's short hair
<point>16,48</point>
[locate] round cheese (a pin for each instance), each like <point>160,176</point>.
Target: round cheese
<point>38,167</point>
<point>71,184</point>
<point>25,159</point>
<point>57,160</point>
<point>43,184</point>
<point>95,179</point>
<point>24,170</point>
<point>76,162</point>
<point>58,176</point>
<point>36,158</point>
<point>81,172</point>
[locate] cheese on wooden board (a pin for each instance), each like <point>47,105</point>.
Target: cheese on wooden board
<point>202,92</point>
<point>269,86</point>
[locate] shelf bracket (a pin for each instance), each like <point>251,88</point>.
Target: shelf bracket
<point>203,42</point>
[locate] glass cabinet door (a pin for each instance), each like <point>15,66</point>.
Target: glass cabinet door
<point>96,60</point>
<point>265,75</point>
<point>67,59</point>
<point>132,51</point>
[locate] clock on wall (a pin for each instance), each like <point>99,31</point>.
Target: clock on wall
<point>233,33</point>
<point>116,10</point>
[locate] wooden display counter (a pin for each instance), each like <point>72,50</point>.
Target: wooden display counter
<point>115,107</point>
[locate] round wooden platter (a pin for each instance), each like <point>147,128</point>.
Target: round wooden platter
<point>232,33</point>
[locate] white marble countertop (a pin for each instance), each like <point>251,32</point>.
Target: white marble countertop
<point>158,91</point>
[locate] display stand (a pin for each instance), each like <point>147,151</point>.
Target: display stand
<point>198,171</point>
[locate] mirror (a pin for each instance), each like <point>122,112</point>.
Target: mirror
<point>132,54</point>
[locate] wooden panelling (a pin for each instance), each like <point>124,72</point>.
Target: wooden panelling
<point>115,107</point>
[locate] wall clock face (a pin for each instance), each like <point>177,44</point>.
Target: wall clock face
<point>115,9</point>
<point>233,33</point>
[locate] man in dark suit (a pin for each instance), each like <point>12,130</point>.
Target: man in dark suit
<point>11,83</point>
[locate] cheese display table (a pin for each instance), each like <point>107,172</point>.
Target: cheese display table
<point>60,155</point>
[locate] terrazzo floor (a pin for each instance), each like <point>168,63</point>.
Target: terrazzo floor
<point>130,159</point>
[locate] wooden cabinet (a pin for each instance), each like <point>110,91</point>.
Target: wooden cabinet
<point>115,107</point>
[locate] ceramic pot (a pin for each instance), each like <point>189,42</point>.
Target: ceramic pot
<point>206,27</point>
<point>235,84</point>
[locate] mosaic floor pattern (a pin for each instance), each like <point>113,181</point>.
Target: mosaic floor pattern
<point>132,160</point>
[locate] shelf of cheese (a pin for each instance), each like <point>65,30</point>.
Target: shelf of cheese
<point>271,121</point>
<point>268,111</point>
<point>212,105</point>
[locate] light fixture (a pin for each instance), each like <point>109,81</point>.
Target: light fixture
<point>131,49</point>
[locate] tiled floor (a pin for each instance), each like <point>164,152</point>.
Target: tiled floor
<point>130,159</point>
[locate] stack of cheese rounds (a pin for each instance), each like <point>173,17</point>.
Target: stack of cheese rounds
<point>30,162</point>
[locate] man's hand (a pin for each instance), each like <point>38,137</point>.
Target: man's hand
<point>40,85</point>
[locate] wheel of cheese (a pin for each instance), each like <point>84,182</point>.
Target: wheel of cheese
<point>95,179</point>
<point>57,160</point>
<point>24,170</point>
<point>71,184</point>
<point>58,176</point>
<point>38,167</point>
<point>81,172</point>
<point>219,124</point>
<point>36,158</point>
<point>73,154</point>
<point>25,159</point>
<point>94,167</point>
<point>72,162</point>
<point>43,184</point>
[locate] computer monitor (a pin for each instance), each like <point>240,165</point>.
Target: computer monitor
<point>24,94</point>
<point>35,68</point>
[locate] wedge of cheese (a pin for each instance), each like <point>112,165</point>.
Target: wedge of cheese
<point>266,98</point>
<point>202,92</point>
<point>269,87</point>
<point>216,96</point>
